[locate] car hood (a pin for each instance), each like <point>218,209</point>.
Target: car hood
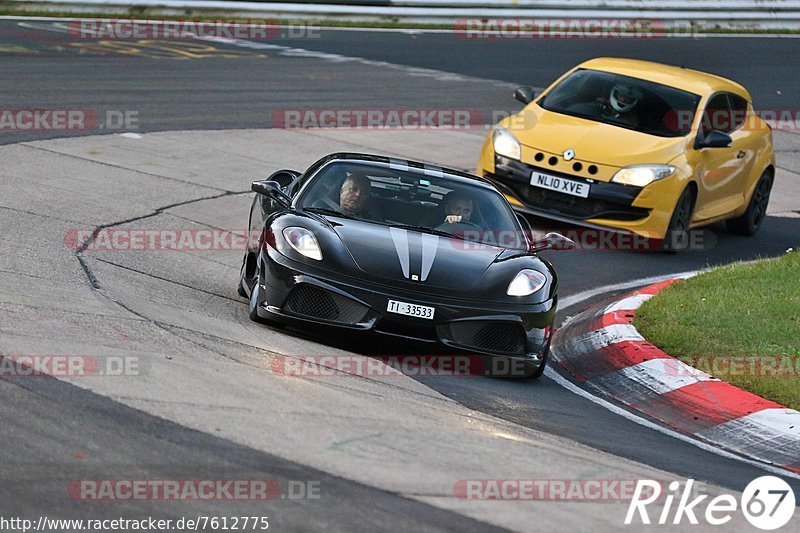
<point>593,142</point>
<point>398,256</point>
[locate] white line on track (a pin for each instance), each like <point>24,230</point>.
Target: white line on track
<point>288,51</point>
<point>580,297</point>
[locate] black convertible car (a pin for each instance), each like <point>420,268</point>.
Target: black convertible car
<point>364,242</point>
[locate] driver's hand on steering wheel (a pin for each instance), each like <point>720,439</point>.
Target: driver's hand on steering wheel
<point>452,219</point>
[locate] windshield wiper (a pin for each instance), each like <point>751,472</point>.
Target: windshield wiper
<point>326,211</point>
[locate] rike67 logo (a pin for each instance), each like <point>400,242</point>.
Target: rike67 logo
<point>767,502</point>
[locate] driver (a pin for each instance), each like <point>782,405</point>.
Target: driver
<point>354,195</point>
<point>621,103</point>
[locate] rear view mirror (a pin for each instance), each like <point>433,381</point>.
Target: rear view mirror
<point>524,94</point>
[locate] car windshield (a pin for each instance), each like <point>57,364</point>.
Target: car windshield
<point>402,196</point>
<point>623,101</point>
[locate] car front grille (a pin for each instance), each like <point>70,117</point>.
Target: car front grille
<point>312,302</point>
<point>606,200</point>
<point>489,335</point>
<point>574,206</point>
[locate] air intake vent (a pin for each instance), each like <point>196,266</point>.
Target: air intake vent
<point>313,302</point>
<point>490,335</point>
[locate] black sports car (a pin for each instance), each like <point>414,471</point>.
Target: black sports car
<point>364,242</point>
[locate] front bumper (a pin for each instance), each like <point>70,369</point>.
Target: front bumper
<point>301,294</point>
<point>641,211</point>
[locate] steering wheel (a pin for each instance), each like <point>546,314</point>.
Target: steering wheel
<point>605,107</point>
<point>463,223</point>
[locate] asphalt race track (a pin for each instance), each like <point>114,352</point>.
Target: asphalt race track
<point>386,452</point>
<point>228,92</point>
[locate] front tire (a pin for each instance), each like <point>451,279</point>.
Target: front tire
<point>240,289</point>
<point>677,237</point>
<point>540,369</point>
<point>252,306</point>
<point>750,222</point>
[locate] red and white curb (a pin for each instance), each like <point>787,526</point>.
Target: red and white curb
<point>601,348</point>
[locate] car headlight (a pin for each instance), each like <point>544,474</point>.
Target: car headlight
<point>526,282</point>
<point>506,144</point>
<point>641,175</point>
<point>303,241</point>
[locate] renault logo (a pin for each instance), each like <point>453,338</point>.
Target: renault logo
<point>569,155</point>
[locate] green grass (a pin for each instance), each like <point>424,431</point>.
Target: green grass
<point>731,321</point>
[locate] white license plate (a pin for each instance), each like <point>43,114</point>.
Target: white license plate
<point>545,181</point>
<point>403,308</point>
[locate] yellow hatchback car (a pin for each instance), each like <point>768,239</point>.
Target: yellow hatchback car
<point>636,146</point>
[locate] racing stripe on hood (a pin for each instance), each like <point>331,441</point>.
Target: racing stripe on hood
<point>430,243</point>
<point>400,240</point>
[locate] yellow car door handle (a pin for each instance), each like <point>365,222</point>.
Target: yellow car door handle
<point>740,155</point>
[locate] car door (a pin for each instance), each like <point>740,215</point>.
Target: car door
<point>722,172</point>
<point>745,142</point>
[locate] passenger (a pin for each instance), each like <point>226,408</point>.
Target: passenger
<point>458,208</point>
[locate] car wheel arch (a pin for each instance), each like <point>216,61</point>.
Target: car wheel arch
<point>694,188</point>
<point>250,264</point>
<point>755,179</point>
<point>768,171</point>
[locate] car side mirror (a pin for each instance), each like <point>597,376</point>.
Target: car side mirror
<point>525,94</point>
<point>272,189</point>
<point>284,177</point>
<point>713,139</point>
<point>553,241</point>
